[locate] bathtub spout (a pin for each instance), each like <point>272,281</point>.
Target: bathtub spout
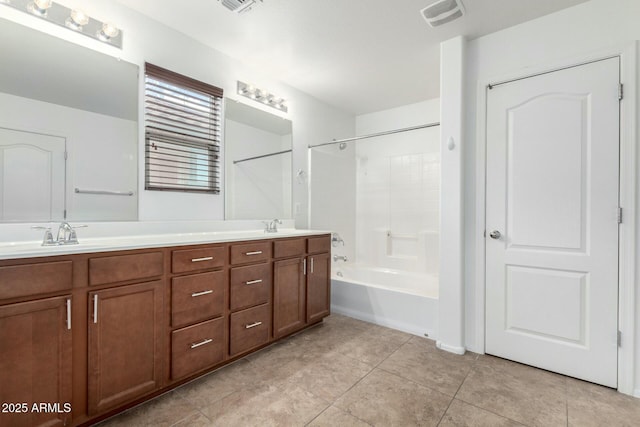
<point>340,258</point>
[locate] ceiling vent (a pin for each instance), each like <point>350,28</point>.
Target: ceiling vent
<point>442,11</point>
<point>239,6</point>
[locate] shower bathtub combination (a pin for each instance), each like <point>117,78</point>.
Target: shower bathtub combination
<point>383,197</point>
<point>401,300</point>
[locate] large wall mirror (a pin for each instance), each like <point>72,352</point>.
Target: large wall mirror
<point>257,163</point>
<point>68,131</point>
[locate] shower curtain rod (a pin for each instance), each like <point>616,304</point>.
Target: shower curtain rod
<point>372,135</point>
<point>235,162</point>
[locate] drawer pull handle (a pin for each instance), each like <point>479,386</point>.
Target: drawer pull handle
<point>196,345</point>
<point>207,258</point>
<point>199,294</point>
<point>253,282</point>
<point>253,325</point>
<point>95,308</point>
<point>253,253</point>
<point>69,313</point>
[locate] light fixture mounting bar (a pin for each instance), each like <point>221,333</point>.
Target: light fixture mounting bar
<point>61,15</point>
<point>262,96</point>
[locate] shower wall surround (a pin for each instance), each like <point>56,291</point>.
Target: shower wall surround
<point>398,190</point>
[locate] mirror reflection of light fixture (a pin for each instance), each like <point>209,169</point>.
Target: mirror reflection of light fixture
<point>262,96</point>
<point>39,7</point>
<point>74,19</point>
<point>107,32</point>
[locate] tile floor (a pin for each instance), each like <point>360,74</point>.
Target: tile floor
<point>350,373</point>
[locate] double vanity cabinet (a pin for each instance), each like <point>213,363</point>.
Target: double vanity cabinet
<point>86,335</point>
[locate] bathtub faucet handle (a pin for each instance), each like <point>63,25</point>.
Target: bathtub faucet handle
<point>335,239</point>
<point>340,258</point>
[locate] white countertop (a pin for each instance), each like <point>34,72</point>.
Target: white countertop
<point>28,249</point>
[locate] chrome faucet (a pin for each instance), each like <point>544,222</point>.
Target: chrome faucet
<point>335,239</point>
<point>66,235</point>
<point>340,258</point>
<point>271,226</point>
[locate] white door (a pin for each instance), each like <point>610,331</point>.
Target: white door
<point>32,176</point>
<point>552,194</point>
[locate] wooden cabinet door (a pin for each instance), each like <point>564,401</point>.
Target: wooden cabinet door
<point>125,327</point>
<point>35,362</point>
<point>288,296</point>
<point>318,287</point>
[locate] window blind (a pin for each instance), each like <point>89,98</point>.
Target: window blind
<point>182,132</point>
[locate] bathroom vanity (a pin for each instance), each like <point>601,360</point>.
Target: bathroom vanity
<point>94,330</point>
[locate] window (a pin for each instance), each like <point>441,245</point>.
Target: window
<point>182,133</point>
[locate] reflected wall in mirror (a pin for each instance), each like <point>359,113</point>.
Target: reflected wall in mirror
<point>257,163</point>
<point>68,131</point>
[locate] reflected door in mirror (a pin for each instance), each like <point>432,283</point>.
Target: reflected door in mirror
<point>32,176</point>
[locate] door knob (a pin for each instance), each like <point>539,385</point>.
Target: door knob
<point>495,234</point>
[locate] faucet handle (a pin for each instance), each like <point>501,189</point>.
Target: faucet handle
<point>73,236</point>
<point>40,227</point>
<point>47,239</point>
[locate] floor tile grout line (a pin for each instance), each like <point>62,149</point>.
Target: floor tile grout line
<point>491,412</point>
<point>365,376</point>
<point>480,407</point>
<point>457,390</point>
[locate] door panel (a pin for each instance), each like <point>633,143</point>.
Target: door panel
<point>549,211</point>
<point>37,163</point>
<point>124,344</point>
<point>552,193</point>
<point>35,361</point>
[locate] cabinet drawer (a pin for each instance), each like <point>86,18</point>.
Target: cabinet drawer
<point>198,259</point>
<point>120,268</point>
<point>250,285</point>
<point>288,248</point>
<point>33,279</point>
<point>197,347</point>
<point>318,244</point>
<point>197,297</point>
<point>250,252</point>
<point>249,329</point>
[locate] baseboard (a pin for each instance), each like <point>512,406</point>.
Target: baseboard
<point>450,348</point>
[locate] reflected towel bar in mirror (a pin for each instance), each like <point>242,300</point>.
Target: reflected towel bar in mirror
<point>105,192</point>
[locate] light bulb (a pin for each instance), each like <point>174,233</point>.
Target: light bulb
<point>43,4</point>
<point>77,20</point>
<point>108,32</point>
<point>39,7</point>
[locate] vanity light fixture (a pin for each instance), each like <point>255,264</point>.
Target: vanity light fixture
<point>73,19</point>
<point>262,96</point>
<point>76,20</point>
<point>107,32</point>
<point>39,7</point>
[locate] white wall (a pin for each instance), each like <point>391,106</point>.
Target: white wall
<point>148,40</point>
<point>102,154</point>
<point>567,36</point>
<point>397,189</point>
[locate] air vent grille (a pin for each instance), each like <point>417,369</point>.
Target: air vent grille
<point>442,12</point>
<point>239,6</point>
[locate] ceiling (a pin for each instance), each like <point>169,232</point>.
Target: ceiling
<point>358,55</point>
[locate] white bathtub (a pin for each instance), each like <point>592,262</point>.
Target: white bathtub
<point>396,299</point>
